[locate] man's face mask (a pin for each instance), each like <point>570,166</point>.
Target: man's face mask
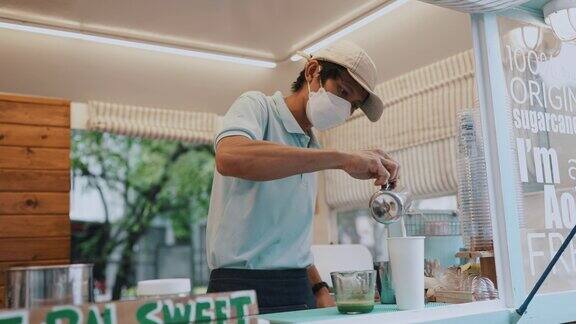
<point>325,109</point>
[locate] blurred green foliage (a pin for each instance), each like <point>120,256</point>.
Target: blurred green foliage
<point>138,181</point>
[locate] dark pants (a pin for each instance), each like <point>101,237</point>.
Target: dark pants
<point>276,290</point>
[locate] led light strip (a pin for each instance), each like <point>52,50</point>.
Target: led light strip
<point>347,30</point>
<point>139,45</point>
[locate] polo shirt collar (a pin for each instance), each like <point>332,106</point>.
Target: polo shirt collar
<point>286,116</point>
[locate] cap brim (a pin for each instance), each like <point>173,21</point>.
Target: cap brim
<point>373,106</point>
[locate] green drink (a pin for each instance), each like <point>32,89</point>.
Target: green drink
<point>354,291</point>
<point>355,307</point>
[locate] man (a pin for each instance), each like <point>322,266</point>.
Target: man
<point>263,195</point>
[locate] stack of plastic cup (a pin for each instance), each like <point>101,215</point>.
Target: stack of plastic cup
<point>473,201</point>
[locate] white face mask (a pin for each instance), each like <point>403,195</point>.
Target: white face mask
<point>325,109</point>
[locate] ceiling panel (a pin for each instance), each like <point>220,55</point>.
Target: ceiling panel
<point>269,29</point>
<point>412,36</point>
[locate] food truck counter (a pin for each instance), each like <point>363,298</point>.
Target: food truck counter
<point>331,313</point>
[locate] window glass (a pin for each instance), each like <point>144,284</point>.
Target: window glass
<point>540,73</point>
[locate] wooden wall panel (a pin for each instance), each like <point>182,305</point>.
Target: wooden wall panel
<point>34,114</point>
<point>32,249</point>
<point>27,203</point>
<point>34,226</point>
<point>36,136</point>
<point>34,182</point>
<point>21,98</point>
<point>32,158</point>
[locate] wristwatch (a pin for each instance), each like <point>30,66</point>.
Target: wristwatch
<point>316,288</point>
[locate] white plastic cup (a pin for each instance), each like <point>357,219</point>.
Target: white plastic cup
<point>407,264</point>
<point>176,287</point>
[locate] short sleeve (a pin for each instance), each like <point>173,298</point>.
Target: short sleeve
<point>246,117</point>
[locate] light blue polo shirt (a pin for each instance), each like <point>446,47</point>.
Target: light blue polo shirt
<point>262,224</point>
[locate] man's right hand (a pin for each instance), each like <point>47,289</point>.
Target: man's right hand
<point>372,164</point>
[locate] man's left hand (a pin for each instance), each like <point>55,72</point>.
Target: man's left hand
<point>323,299</point>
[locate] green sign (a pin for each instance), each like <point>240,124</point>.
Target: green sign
<point>205,308</point>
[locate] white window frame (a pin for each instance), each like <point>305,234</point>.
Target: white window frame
<point>544,308</point>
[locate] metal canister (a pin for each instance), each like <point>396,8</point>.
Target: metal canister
<point>387,293</point>
<point>39,286</point>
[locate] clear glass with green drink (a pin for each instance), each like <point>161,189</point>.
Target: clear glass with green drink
<point>354,291</point>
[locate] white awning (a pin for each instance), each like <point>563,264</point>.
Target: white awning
<point>477,6</point>
<point>186,126</point>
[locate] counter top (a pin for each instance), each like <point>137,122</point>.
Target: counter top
<point>331,313</point>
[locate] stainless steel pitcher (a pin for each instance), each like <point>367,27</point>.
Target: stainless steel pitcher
<point>38,286</point>
<point>387,206</point>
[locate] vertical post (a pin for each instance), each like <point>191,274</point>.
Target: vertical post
<point>491,86</point>
<point>193,246</point>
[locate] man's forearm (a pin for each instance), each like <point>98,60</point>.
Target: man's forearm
<point>322,296</point>
<point>263,161</point>
<point>313,275</point>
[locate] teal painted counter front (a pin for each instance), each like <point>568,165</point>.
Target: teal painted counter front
<point>325,314</point>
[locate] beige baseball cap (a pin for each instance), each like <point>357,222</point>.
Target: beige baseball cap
<point>361,68</point>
